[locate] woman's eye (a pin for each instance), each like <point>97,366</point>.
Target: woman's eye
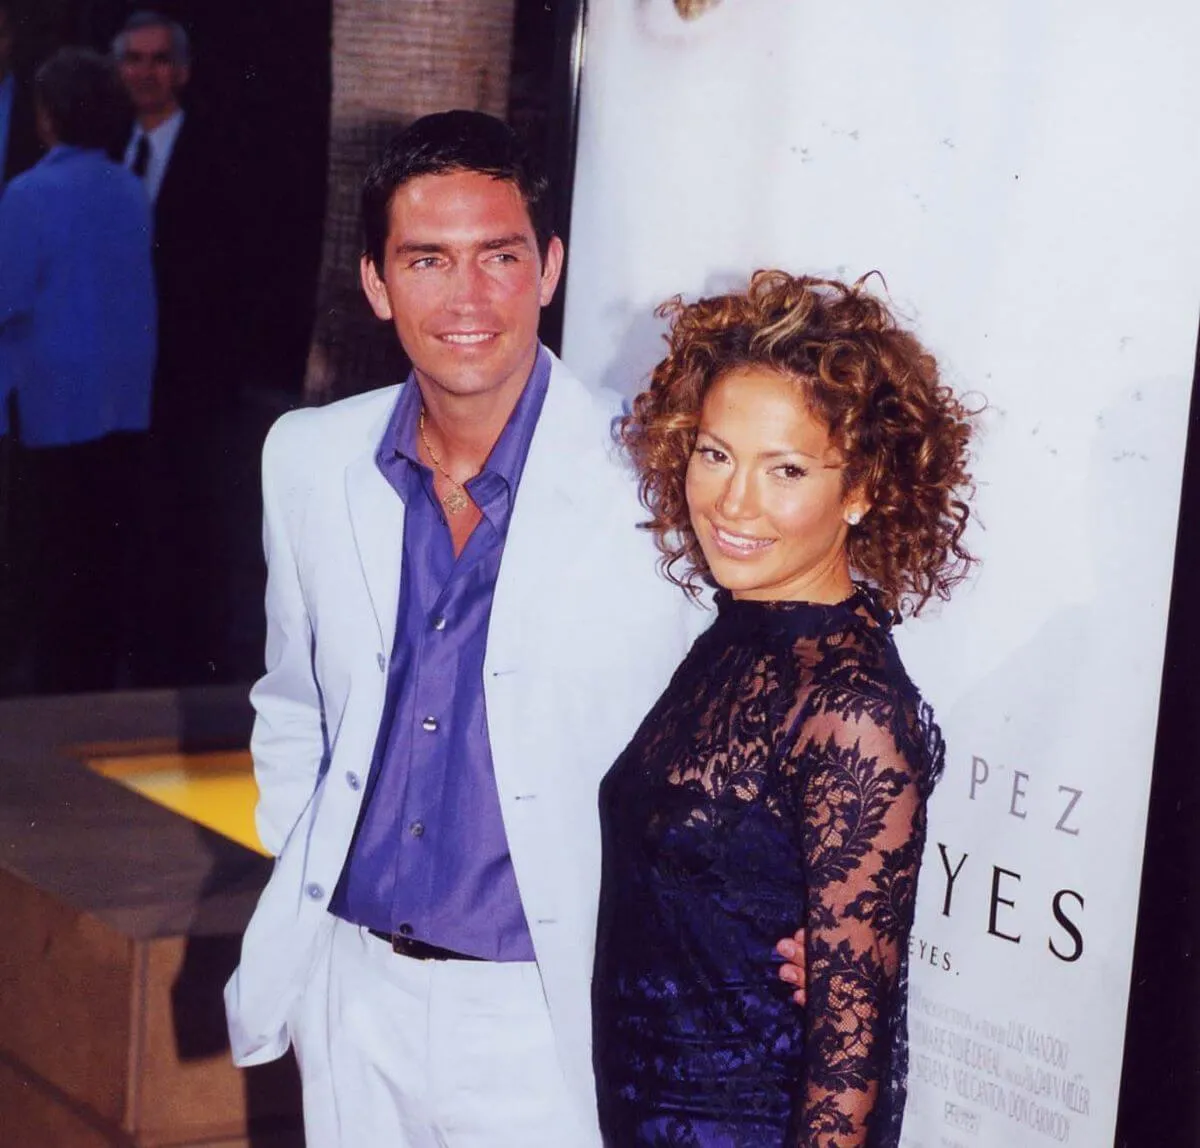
<point>790,470</point>
<point>711,454</point>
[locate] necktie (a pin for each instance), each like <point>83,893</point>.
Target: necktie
<point>141,157</point>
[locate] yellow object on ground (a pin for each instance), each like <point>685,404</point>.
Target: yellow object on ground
<point>215,790</point>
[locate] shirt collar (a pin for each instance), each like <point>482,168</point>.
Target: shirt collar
<point>162,136</point>
<point>508,455</point>
<point>507,459</point>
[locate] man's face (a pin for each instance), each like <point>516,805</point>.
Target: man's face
<point>6,42</point>
<point>462,282</point>
<point>151,76</point>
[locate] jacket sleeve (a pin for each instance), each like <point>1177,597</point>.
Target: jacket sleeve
<point>289,740</point>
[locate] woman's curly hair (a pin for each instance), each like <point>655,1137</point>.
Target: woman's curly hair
<point>903,435</point>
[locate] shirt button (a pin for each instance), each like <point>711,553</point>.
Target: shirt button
<point>352,781</point>
<point>417,829</point>
<point>439,623</point>
<point>381,662</point>
<point>429,725</point>
<point>405,930</point>
<point>314,892</point>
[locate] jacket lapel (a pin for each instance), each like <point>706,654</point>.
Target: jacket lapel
<point>549,525</point>
<point>377,523</point>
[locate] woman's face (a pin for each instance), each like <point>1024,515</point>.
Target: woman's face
<point>764,492</point>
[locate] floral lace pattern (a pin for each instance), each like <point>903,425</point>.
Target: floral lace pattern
<point>780,781</point>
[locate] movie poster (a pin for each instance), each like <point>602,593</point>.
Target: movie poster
<point>1024,176</point>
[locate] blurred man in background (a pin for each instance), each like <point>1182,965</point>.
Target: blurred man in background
<point>77,352</point>
<point>183,165</point>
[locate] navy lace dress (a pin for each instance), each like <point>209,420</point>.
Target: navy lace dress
<point>779,781</point>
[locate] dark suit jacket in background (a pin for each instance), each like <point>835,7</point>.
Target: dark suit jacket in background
<point>198,256</point>
<point>197,245</point>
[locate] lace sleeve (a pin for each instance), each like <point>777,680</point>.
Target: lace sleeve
<point>863,829</point>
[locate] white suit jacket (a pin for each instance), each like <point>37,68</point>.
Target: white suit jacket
<point>584,635</point>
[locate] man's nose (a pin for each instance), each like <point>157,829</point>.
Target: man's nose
<point>467,284</point>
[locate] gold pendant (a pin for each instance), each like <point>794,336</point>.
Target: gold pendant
<point>456,501</point>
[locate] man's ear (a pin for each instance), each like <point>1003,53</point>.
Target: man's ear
<point>373,288</point>
<point>551,270</point>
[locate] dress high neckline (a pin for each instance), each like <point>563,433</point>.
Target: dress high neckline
<point>862,607</point>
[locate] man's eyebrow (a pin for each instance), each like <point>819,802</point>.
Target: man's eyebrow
<point>419,248</point>
<point>516,239</point>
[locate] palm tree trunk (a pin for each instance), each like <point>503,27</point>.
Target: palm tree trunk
<point>393,61</point>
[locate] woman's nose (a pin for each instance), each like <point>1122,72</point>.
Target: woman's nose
<point>735,499</point>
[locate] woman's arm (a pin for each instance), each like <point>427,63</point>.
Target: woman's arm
<point>863,829</point>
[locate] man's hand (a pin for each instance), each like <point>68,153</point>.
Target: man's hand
<point>791,949</point>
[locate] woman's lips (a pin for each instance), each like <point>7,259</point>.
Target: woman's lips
<point>738,545</point>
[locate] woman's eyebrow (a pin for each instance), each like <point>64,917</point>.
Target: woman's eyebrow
<point>766,454</point>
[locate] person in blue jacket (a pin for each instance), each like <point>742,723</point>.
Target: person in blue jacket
<point>77,347</point>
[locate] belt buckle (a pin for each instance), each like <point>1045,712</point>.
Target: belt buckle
<point>404,946</point>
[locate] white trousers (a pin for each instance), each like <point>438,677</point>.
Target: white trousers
<point>427,1054</point>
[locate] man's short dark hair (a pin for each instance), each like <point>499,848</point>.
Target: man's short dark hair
<point>442,144</point>
<point>81,95</point>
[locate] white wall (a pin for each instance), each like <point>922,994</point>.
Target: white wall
<point>1025,176</point>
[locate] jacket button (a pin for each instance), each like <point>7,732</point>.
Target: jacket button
<point>381,662</point>
<point>314,892</point>
<point>429,725</point>
<point>352,781</point>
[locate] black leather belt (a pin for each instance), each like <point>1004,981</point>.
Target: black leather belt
<point>420,950</point>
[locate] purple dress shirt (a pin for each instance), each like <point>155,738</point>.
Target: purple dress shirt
<point>430,857</point>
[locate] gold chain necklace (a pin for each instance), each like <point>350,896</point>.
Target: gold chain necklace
<point>457,500</point>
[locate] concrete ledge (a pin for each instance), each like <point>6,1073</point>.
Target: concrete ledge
<point>122,923</point>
